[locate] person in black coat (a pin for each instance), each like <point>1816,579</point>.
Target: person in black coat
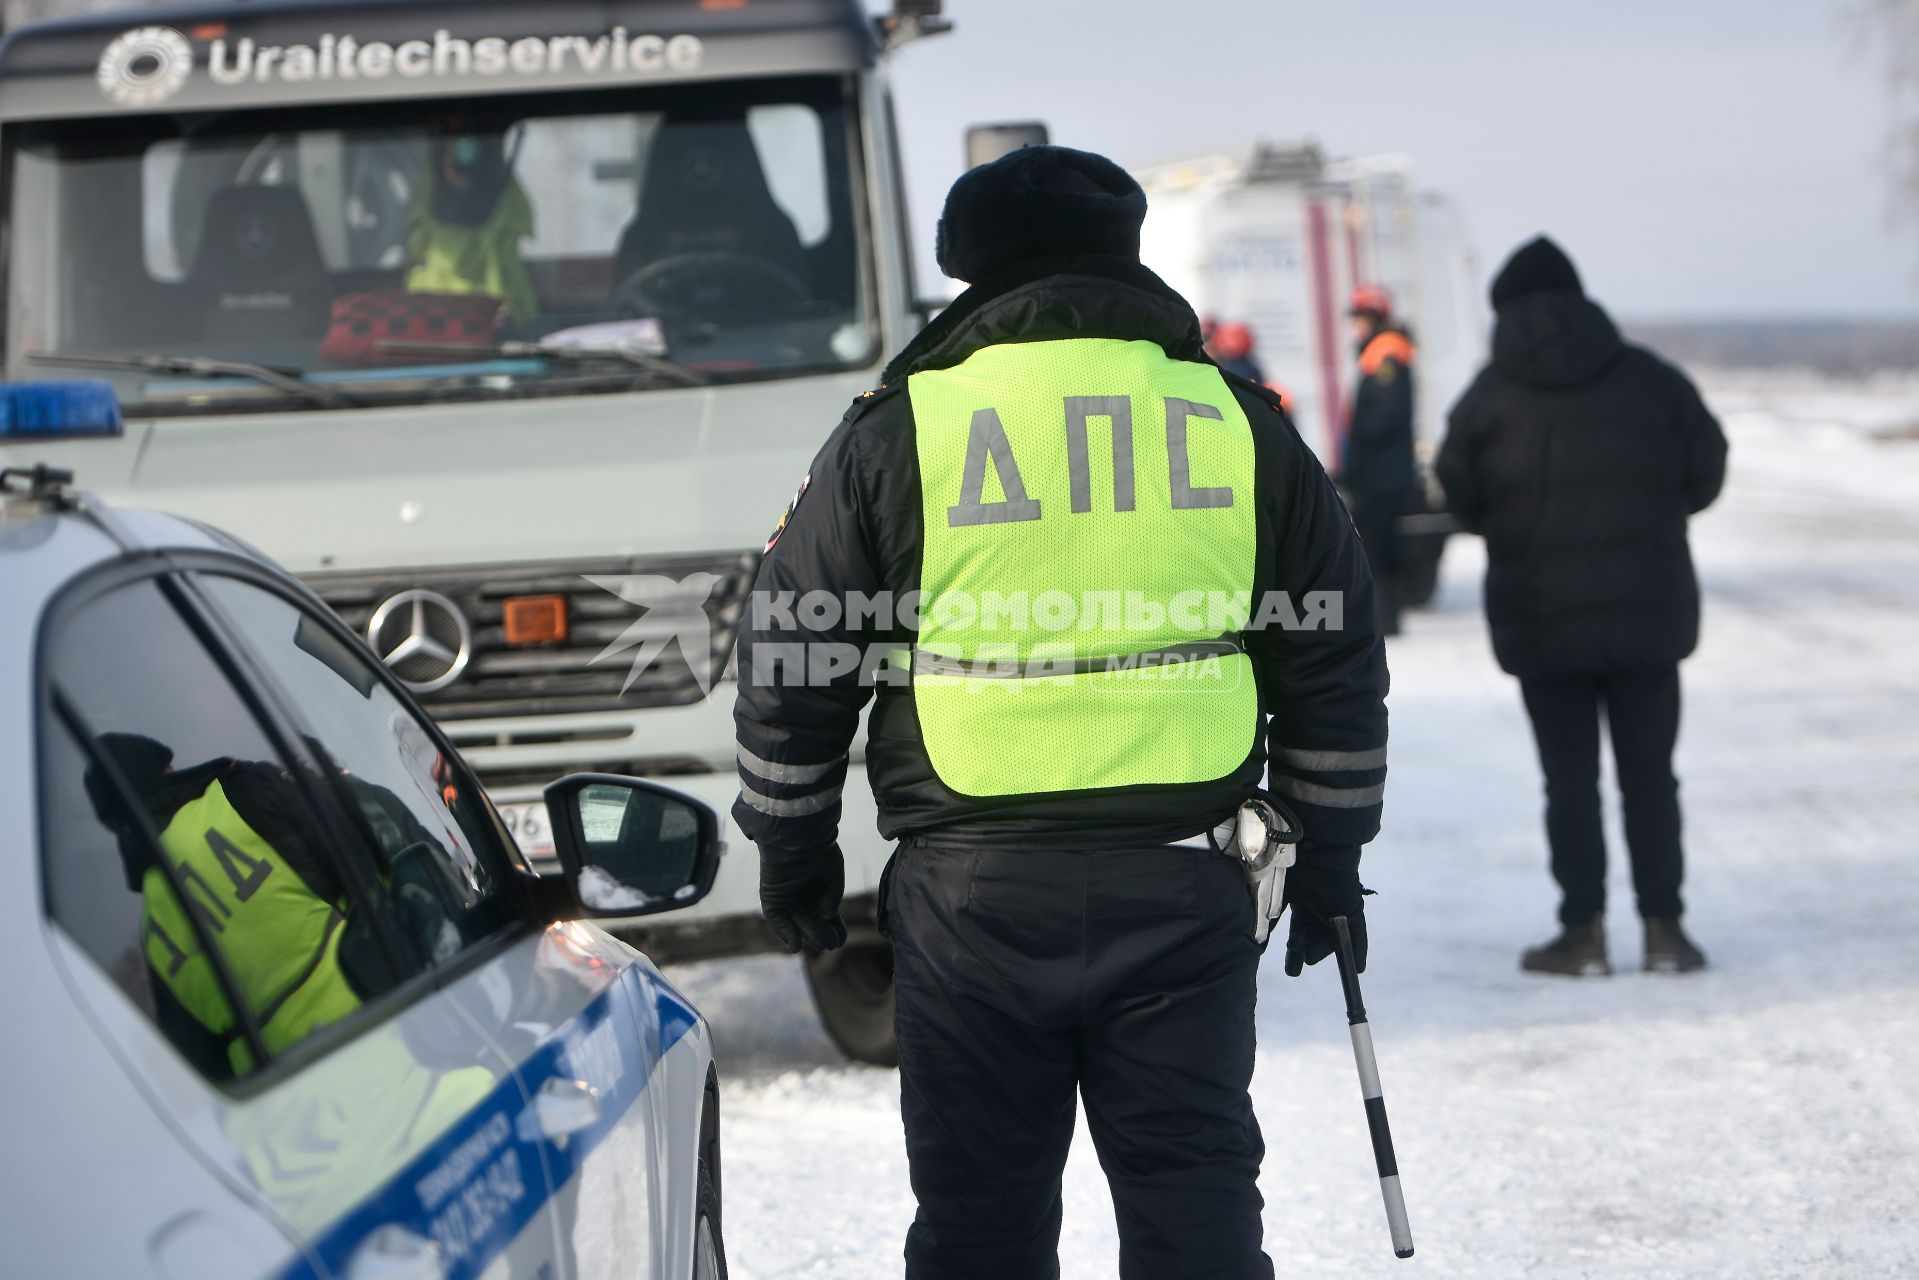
<point>1580,457</point>
<point>1377,472</point>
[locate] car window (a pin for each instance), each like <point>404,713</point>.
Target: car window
<point>181,850</point>
<point>434,842</point>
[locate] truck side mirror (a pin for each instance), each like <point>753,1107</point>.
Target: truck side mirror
<point>631,848</point>
<point>986,143</point>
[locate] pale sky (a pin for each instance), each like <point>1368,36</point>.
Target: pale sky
<point>1696,157</point>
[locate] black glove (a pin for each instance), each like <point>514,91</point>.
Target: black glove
<point>1318,890</point>
<point>800,897</point>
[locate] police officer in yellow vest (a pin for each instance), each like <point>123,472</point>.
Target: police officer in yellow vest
<point>252,889</point>
<point>1099,588</point>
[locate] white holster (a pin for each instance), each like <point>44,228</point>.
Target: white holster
<point>1267,843</point>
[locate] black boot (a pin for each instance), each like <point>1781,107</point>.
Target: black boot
<point>1669,950</point>
<point>1578,952</point>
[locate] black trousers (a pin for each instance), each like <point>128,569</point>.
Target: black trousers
<point>1025,977</point>
<point>1641,708</point>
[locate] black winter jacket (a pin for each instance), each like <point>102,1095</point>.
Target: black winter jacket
<point>1580,457</point>
<point>858,527</point>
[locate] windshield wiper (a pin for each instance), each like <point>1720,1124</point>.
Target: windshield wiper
<point>286,381</point>
<point>665,370</point>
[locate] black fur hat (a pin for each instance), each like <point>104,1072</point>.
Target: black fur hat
<point>1038,202</point>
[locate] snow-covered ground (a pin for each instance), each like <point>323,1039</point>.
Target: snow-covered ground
<point>1760,1119</point>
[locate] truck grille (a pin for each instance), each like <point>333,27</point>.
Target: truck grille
<point>576,674</point>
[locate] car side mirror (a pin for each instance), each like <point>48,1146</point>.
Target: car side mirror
<point>631,848</point>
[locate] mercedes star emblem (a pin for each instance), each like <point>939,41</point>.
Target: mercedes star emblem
<point>423,637</point>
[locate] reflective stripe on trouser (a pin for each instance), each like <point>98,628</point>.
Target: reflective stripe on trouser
<point>1102,473</point>
<point>280,940</point>
<point>1027,980</point>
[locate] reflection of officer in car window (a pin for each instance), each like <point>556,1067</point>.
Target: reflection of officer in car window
<point>254,886</point>
<point>469,219</point>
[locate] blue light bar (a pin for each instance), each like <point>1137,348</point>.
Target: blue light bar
<point>82,408</point>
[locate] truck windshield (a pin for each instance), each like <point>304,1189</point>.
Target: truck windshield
<point>442,249</point>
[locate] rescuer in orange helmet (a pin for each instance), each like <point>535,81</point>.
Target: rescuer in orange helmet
<point>1376,467</point>
<point>1230,344</point>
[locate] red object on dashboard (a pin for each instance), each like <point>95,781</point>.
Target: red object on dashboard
<point>362,323</point>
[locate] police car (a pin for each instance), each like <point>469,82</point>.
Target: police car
<point>283,997</point>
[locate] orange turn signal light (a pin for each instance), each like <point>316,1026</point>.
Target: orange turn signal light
<point>535,620</point>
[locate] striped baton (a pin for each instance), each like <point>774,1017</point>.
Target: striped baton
<point>1383,1157</point>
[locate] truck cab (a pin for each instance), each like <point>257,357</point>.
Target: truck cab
<point>509,328</point>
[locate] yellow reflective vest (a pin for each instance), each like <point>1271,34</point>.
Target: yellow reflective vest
<point>1090,538</point>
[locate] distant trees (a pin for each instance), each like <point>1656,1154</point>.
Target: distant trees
<point>1891,29</point>
<point>1837,348</point>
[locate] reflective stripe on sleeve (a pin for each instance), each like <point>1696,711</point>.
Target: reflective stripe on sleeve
<point>773,771</point>
<point>1330,797</point>
<point>797,808</point>
<point>1331,761</point>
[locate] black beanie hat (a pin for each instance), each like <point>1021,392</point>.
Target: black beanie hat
<point>1535,267</point>
<point>1038,202</point>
